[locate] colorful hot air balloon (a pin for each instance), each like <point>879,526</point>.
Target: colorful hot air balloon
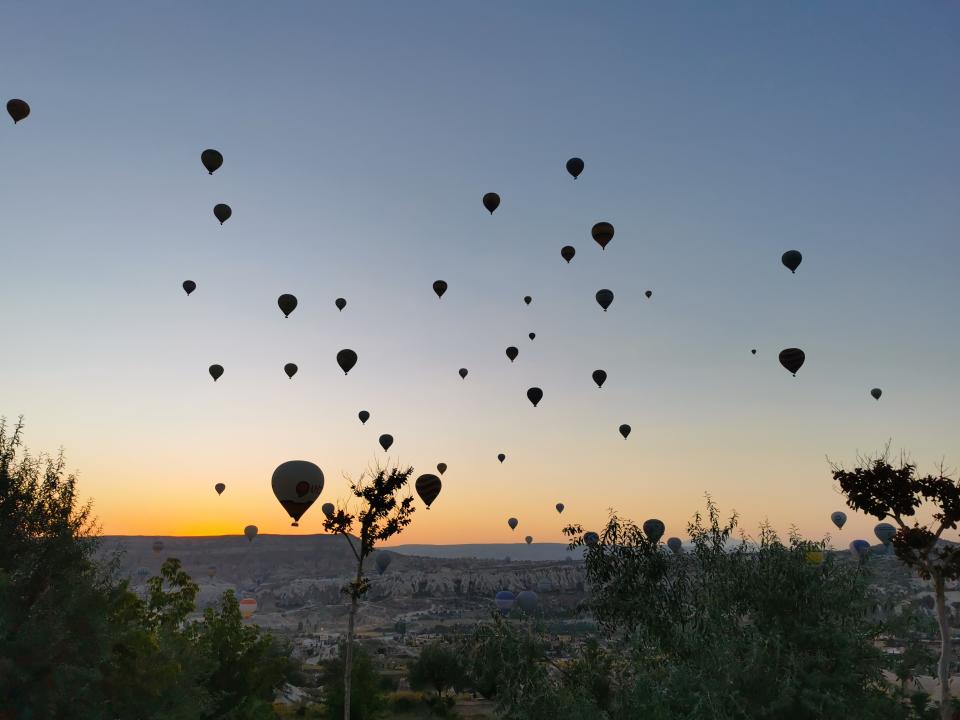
<point>219,487</point>
<point>813,557</point>
<point>212,160</point>
<point>297,484</point>
<point>591,539</point>
<point>559,507</point>
<point>527,600</point>
<point>341,303</point>
<point>513,522</point>
<point>346,359</point>
<point>157,546</point>
<point>654,529</point>
<point>512,353</point>
<point>675,544</point>
<point>528,539</point>
<point>575,166</point>
<point>504,600</point>
<point>287,304</point>
<point>599,377</point>
<point>792,359</point>
<point>222,212</point>
<point>491,201</point>
<point>624,430</point>
<point>534,395</point>
<point>527,299</point>
<point>602,233</point>
<point>189,286</point>
<point>501,457</point>
<point>838,518</point>
<point>439,287</point>
<point>463,373</point>
<point>604,298</point>
<point>215,371</point>
<point>386,441</point>
<point>248,606</point>
<point>328,509</point>
<point>567,252</point>
<point>441,468</point>
<point>876,393</point>
<point>364,416</point>
<point>792,259</point>
<point>428,487</point>
<point>250,531</point>
<point>382,561</point>
<point>290,369</point>
<point>18,109</point>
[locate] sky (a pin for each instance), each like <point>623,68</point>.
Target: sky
<point>358,141</point>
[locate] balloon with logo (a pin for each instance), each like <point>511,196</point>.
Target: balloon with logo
<point>297,484</point>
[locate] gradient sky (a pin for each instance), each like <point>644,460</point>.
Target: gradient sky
<point>359,139</point>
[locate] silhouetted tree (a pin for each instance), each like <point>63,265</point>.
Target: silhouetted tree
<point>438,666</point>
<point>382,514</point>
<point>880,489</point>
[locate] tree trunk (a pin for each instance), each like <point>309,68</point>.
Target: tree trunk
<point>943,667</point>
<point>348,657</point>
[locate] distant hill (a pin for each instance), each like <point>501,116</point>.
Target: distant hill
<point>493,551</point>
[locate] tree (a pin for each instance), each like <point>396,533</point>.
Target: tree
<point>381,516</point>
<point>365,685</point>
<point>885,491</point>
<point>438,666</point>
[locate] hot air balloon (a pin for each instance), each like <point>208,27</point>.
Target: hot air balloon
<point>212,160</point>
<point>591,538</point>
<point>428,487</point>
<point>504,600</point>
<point>528,539</point>
<point>463,373</point>
<point>534,395</point>
<point>513,522</point>
<point>341,303</point>
<point>792,359</point>
<point>838,518</point>
<point>813,557</point>
<point>753,352</point>
<point>287,304</point>
<point>575,167</point>
<point>876,393</point>
<point>624,430</point>
<point>603,233</point>
<point>501,457</point>
<point>346,359</point>
<point>531,335</point>
<point>328,509</point>
<point>297,484</point>
<point>211,571</point>
<point>527,600</point>
<point>567,252</point>
<point>385,441</point>
<point>219,487</point>
<point>222,212</point>
<point>653,529</point>
<point>599,377</point>
<point>860,549</point>
<point>675,544</point>
<point>142,574</point>
<point>491,201</point>
<point>791,259</point>
<point>649,294</point>
<point>18,109</point>
<point>441,468</point>
<point>382,561</point>
<point>189,286</point>
<point>364,416</point>
<point>250,531</point>
<point>884,532</point>
<point>604,298</point>
<point>439,287</point>
<point>527,299</point>
<point>290,369</point>
<point>512,353</point>
<point>215,371</point>
<point>248,606</point>
<point>157,546</point>
<point>559,507</point>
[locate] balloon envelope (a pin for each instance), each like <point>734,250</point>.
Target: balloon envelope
<point>385,441</point>
<point>512,522</point>
<point>364,416</point>
<point>535,395</point>
<point>212,160</point>
<point>884,532</point>
<point>341,303</point>
<point>838,518</point>
<point>860,549</point>
<point>189,286</point>
<point>328,509</point>
<point>491,201</point>
<point>876,393</point>
<point>649,294</point>
<point>18,109</point>
<point>653,529</point>
<point>792,359</point>
<point>222,212</point>
<point>215,372</point>
<point>504,600</point>
<point>603,233</point>
<point>439,287</point>
<point>624,430</point>
<point>501,457</point>
<point>219,487</point>
<point>248,606</point>
<point>290,369</point>
<point>527,299</point>
<point>591,538</point>
<point>441,468</point>
<point>599,377</point>
<point>528,539</point>
<point>250,531</point>
<point>560,507</point>
<point>792,259</point>
<point>567,252</point>
<point>297,484</point>
<point>287,304</point>
<point>428,487</point>
<point>675,544</point>
<point>532,335</point>
<point>463,373</point>
<point>575,166</point>
<point>604,298</point>
<point>512,353</point>
<point>346,359</point>
<point>527,600</point>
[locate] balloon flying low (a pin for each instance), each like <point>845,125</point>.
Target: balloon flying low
<point>599,377</point>
<point>675,545</point>
<point>559,507</point>
<point>290,369</point>
<point>491,201</point>
<point>340,303</point>
<point>441,468</point>
<point>219,487</point>
<point>792,259</point>
<point>624,430</point>
<point>591,538</point>
<point>328,509</point>
<point>248,606</point>
<point>604,298</point>
<point>364,416</point>
<point>567,252</point>
<point>501,457</point>
<point>876,393</point>
<point>297,484</point>
<point>575,167</point>
<point>386,441</point>
<point>602,233</point>
<point>513,522</point>
<point>157,546</point>
<point>527,299</point>
<point>792,359</point>
<point>535,395</point>
<point>222,212</point>
<point>504,600</point>
<point>884,532</point>
<point>212,160</point>
<point>250,531</point>
<point>838,518</point>
<point>527,600</point>
<point>439,287</point>
<point>287,304</point>
<point>346,359</point>
<point>654,529</point>
<point>215,371</point>
<point>860,549</point>
<point>18,109</point>
<point>463,373</point>
<point>189,286</point>
<point>528,539</point>
<point>428,487</point>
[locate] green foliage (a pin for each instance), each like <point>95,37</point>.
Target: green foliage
<point>365,697</point>
<point>437,667</point>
